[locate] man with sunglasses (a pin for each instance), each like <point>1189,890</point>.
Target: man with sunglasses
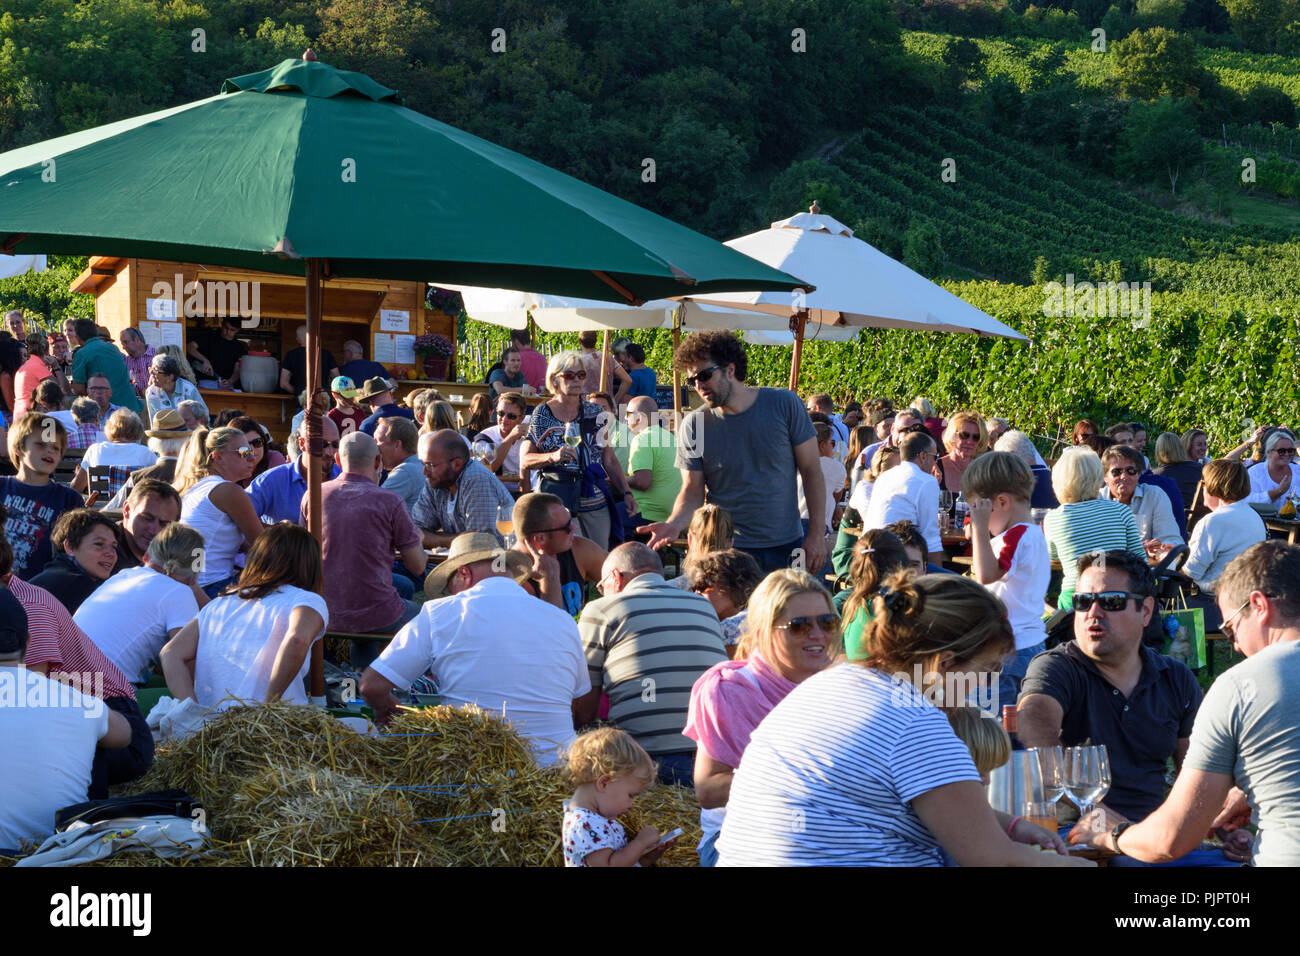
<point>277,492</point>
<point>1247,732</point>
<point>745,447</point>
<point>1105,688</point>
<point>1121,469</point>
<point>510,429</point>
<point>647,643</point>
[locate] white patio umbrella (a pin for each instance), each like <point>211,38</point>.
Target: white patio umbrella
<point>11,266</point>
<point>858,286</point>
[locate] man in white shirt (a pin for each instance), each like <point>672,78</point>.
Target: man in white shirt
<point>469,641</point>
<point>1152,508</point>
<point>511,428</point>
<point>909,492</point>
<point>48,735</point>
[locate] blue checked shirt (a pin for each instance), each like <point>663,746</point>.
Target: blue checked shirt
<point>469,505</point>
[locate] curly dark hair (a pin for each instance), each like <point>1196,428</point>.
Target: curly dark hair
<point>715,346</point>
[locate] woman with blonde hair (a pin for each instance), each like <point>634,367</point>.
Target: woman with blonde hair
<point>965,437</point>
<point>1173,463</point>
<point>208,473</point>
<point>585,474</point>
<point>863,758</point>
<point>439,414</point>
<point>1084,522</point>
<point>791,633</point>
<point>711,529</point>
<point>186,370</point>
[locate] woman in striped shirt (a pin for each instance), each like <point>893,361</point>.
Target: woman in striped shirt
<point>1085,523</point>
<point>857,766</point>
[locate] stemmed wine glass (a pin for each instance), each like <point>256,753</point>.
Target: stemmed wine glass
<point>1087,776</point>
<point>572,437</point>
<point>945,500</point>
<point>1051,761</point>
<point>506,524</point>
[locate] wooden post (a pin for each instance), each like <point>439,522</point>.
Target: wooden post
<point>797,326</point>
<point>315,446</point>
<point>677,376</point>
<point>604,363</point>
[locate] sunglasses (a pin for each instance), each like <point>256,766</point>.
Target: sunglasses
<point>244,451</point>
<point>256,442</point>
<point>566,528</point>
<point>802,626</point>
<point>967,436</point>
<point>703,375</point>
<point>510,415</point>
<point>1109,600</point>
<point>1284,452</point>
<point>577,376</point>
<point>1226,627</point>
<point>330,444</point>
<point>1118,472</point>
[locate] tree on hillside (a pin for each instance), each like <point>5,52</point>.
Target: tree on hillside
<point>1160,139</point>
<point>1155,62</point>
<point>1262,24</point>
<point>1267,104</point>
<point>1160,13</point>
<point>922,249</point>
<point>1207,15</point>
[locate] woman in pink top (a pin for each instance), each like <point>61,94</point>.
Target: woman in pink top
<point>792,633</point>
<point>31,373</point>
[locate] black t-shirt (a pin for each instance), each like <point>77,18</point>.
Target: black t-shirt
<point>222,354</point>
<point>64,579</point>
<point>295,360</point>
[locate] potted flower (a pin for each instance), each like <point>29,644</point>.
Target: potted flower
<point>436,352</point>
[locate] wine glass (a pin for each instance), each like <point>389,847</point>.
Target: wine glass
<point>506,524</point>
<point>1087,776</point>
<point>1051,761</point>
<point>1144,526</point>
<point>945,500</point>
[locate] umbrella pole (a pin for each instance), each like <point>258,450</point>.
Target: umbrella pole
<point>797,327</point>
<point>604,363</point>
<point>677,376</point>
<point>315,446</point>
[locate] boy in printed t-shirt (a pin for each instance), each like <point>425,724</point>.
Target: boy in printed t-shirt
<point>1010,555</point>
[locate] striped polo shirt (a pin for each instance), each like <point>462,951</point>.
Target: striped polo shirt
<point>646,646</point>
<point>1080,527</point>
<point>829,776</point>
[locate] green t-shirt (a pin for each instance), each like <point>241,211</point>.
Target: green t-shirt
<point>620,439</point>
<point>97,357</point>
<point>655,450</point>
<point>854,647</point>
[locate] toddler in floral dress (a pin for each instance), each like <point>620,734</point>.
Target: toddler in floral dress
<point>611,771</point>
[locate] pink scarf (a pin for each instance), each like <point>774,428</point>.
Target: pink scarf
<point>728,701</point>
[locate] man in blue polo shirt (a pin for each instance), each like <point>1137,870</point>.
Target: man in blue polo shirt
<point>97,357</point>
<point>277,492</point>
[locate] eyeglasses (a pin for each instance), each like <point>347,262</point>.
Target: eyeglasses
<point>1109,600</point>
<point>1284,452</point>
<point>567,528</point>
<point>1119,472</point>
<point>703,375</point>
<point>967,436</point>
<point>802,626</point>
<point>577,376</point>
<point>600,585</point>
<point>100,388</point>
<point>510,415</point>
<point>1226,627</point>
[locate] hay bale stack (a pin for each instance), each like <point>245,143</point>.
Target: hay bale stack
<point>291,786</point>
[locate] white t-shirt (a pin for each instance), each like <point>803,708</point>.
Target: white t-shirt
<point>833,476</point>
<point>239,641</point>
<point>221,536</point>
<point>497,646</point>
<point>48,734</point>
<point>586,832</point>
<point>511,465</point>
<point>1021,551</point>
<point>129,615</point>
<point>121,455</point>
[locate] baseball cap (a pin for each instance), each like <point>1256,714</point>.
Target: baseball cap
<point>344,386</point>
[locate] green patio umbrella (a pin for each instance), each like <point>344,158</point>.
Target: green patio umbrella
<point>304,169</point>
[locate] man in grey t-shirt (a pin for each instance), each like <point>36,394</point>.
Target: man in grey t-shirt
<point>1247,732</point>
<point>745,447</point>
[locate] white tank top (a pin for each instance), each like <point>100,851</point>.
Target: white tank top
<point>221,537</point>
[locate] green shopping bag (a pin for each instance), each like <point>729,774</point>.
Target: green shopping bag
<point>1185,635</point>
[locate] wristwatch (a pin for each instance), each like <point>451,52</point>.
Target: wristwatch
<point>1115,835</point>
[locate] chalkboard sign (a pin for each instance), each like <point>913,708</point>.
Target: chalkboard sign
<point>664,397</point>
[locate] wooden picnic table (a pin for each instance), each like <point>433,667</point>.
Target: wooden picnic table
<point>1287,526</point>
